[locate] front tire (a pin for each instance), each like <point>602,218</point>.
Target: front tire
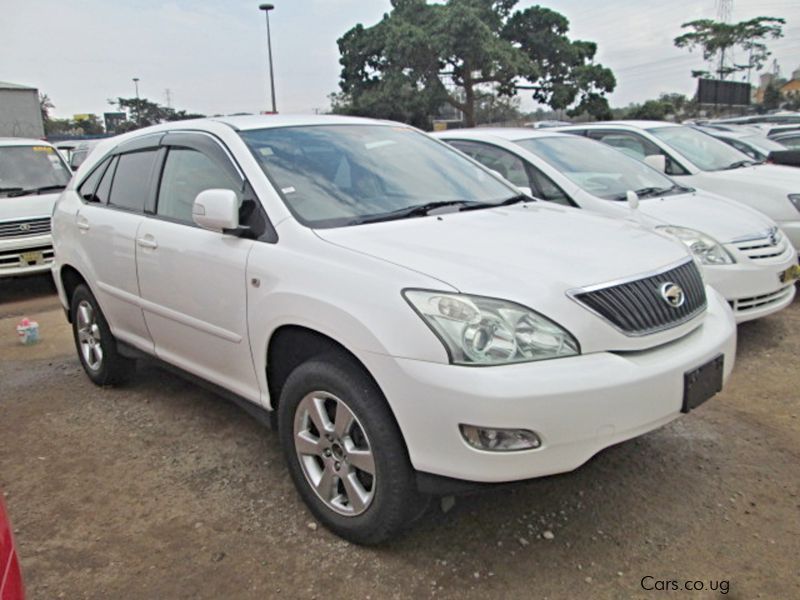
<point>345,452</point>
<point>96,345</point>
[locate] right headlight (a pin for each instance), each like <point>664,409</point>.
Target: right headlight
<point>795,199</point>
<point>477,330</point>
<point>705,249</point>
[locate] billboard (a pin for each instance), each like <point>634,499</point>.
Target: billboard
<point>727,93</point>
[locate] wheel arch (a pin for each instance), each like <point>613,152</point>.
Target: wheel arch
<point>70,278</point>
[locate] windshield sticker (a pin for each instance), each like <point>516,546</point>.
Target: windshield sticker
<point>47,149</point>
<point>288,190</point>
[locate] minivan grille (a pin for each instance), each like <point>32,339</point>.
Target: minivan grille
<point>638,307</point>
<point>25,227</point>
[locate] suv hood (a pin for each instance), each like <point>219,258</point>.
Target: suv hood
<point>722,219</point>
<point>27,207</point>
<point>531,254</point>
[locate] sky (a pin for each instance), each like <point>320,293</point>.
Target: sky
<point>211,54</point>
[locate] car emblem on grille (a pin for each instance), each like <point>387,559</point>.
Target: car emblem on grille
<point>773,237</point>
<point>673,294</point>
<point>24,227</point>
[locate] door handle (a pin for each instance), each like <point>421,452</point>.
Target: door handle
<point>147,242</point>
<point>82,223</point>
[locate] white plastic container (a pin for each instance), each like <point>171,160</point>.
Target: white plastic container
<point>28,332</point>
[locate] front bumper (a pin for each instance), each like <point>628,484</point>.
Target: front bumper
<point>753,289</point>
<point>13,251</point>
<point>578,406</point>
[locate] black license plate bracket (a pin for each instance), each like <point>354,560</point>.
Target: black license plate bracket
<point>702,383</point>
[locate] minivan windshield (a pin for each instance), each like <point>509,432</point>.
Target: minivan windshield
<point>337,175</point>
<point>599,169</point>
<point>31,170</point>
<point>705,151</point>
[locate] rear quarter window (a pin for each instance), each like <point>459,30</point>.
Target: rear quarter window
<point>131,184</point>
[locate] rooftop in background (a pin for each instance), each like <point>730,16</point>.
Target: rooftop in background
<point>5,85</point>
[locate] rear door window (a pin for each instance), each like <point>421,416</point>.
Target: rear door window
<point>132,177</point>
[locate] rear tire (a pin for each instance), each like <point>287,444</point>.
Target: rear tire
<point>345,451</point>
<point>96,345</point>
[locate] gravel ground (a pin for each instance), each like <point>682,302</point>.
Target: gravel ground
<point>161,489</point>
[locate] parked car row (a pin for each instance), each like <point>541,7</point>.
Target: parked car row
<point>416,319</point>
<point>742,252</point>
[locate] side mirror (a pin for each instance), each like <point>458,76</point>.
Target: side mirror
<point>216,210</point>
<point>528,191</point>
<point>633,199</point>
<point>657,161</point>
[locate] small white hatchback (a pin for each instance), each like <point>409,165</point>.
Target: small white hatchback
<point>409,322</point>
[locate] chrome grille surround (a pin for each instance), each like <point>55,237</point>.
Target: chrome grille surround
<point>25,227</point>
<point>762,246</point>
<point>635,306</point>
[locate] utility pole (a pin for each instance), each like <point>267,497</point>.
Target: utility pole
<point>168,96</point>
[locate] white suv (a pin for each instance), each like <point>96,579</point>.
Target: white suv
<point>32,173</point>
<point>407,321</point>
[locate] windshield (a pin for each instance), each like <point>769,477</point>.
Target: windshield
<point>764,144</point>
<point>335,175</point>
<point>597,168</point>
<point>705,151</point>
<point>27,169</point>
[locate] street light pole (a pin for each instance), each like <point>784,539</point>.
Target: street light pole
<point>266,8</point>
<point>138,114</point>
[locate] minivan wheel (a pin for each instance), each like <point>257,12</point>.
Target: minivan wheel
<point>96,345</point>
<point>345,452</point>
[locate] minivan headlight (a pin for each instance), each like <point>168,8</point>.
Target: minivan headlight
<point>705,248</point>
<point>477,330</point>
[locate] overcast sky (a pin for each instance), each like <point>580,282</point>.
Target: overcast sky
<point>211,54</point>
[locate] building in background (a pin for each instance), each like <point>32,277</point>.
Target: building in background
<point>20,113</point>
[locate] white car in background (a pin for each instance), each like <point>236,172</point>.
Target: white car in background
<point>742,253</point>
<point>407,319</point>
<point>696,159</point>
<point>32,174</point>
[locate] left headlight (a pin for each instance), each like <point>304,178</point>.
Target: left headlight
<point>795,200</point>
<point>477,330</point>
<point>705,248</point>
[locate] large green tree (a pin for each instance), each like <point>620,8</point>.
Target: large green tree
<point>143,113</point>
<point>718,41</point>
<point>422,56</point>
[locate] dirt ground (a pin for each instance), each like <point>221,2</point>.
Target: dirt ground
<point>162,490</point>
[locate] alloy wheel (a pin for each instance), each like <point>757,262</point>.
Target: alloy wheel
<point>334,453</point>
<point>89,336</point>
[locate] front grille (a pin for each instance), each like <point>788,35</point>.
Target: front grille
<point>763,246</point>
<point>745,304</point>
<point>25,227</point>
<point>638,308</point>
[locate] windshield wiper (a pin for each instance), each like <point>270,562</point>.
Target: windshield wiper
<point>10,189</point>
<point>507,202</point>
<point>39,190</point>
<point>738,164</point>
<point>419,210</point>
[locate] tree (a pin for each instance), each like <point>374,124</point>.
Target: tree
<point>718,39</point>
<point>143,113</point>
<point>422,56</point>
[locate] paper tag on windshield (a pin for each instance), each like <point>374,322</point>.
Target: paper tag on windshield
<point>288,190</point>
